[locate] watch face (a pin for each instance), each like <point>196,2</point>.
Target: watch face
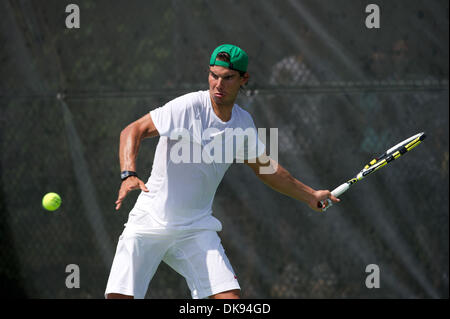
<point>125,174</point>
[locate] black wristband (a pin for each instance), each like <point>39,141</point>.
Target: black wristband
<point>125,174</point>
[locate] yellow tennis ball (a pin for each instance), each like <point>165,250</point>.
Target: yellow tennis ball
<point>51,201</point>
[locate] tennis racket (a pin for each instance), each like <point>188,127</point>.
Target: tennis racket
<point>391,154</point>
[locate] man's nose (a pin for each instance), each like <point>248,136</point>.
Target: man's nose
<point>220,83</point>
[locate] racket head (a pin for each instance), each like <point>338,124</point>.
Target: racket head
<point>392,153</point>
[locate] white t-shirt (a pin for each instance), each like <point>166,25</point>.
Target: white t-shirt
<point>187,171</point>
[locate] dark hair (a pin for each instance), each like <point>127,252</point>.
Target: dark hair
<point>223,56</point>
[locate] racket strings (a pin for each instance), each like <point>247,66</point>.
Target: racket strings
<point>394,154</point>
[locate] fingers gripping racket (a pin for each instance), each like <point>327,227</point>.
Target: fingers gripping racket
<point>391,154</point>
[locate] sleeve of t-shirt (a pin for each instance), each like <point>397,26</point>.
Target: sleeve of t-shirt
<point>252,147</point>
<point>174,115</point>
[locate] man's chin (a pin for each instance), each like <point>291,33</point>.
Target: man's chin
<point>218,100</point>
<point>223,100</point>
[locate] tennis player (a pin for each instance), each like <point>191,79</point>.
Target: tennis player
<point>172,220</point>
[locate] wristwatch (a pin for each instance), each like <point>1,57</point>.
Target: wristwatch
<point>125,174</point>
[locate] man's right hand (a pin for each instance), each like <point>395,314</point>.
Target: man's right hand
<point>128,185</point>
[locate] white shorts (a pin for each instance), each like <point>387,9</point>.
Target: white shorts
<point>197,255</point>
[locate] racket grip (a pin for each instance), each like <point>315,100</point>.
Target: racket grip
<point>338,191</point>
<point>335,192</point>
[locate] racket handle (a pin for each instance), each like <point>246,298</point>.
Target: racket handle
<point>338,191</point>
<point>335,192</point>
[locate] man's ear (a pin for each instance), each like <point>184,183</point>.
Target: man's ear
<point>245,78</point>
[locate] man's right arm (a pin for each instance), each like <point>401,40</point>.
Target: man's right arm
<point>130,140</point>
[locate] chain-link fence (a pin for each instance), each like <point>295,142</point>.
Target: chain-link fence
<point>338,92</point>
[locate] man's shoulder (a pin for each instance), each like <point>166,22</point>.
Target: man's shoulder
<point>241,111</point>
<point>244,116</point>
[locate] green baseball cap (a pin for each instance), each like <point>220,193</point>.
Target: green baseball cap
<point>238,58</point>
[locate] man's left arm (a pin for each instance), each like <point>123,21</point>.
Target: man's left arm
<point>279,179</point>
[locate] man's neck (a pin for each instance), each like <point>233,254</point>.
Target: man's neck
<point>222,111</point>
